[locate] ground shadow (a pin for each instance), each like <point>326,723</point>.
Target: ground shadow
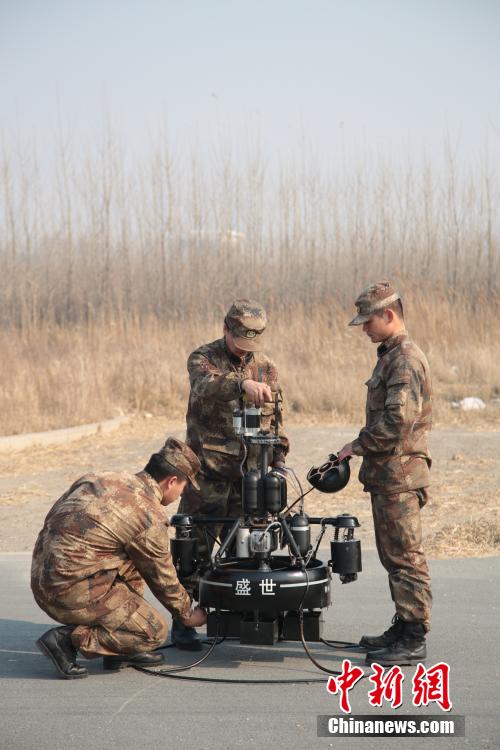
<point>20,658</point>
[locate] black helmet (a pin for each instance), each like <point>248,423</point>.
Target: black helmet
<point>331,476</point>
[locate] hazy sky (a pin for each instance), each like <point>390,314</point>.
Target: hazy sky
<point>384,73</point>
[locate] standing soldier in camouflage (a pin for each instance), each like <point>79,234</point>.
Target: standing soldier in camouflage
<point>103,540</point>
<point>220,374</point>
<point>395,470</point>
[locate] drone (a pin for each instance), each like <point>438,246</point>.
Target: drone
<point>265,582</point>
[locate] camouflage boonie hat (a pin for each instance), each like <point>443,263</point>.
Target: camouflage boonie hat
<point>246,320</point>
<point>182,458</point>
<point>374,297</point>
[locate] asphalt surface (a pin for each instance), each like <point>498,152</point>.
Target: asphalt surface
<point>130,710</point>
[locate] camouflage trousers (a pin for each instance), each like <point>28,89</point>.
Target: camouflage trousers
<point>121,622</point>
<point>398,535</point>
<point>216,498</point>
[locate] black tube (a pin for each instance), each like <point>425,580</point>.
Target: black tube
<point>228,540</point>
<point>207,520</point>
<point>264,460</point>
<point>342,522</point>
<point>291,541</point>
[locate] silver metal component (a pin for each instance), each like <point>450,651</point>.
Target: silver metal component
<point>263,542</point>
<point>237,422</point>
<point>243,542</point>
<point>260,542</point>
<point>247,423</point>
<point>252,420</point>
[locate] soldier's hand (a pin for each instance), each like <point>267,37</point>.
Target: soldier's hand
<point>259,393</point>
<point>345,452</point>
<point>197,618</point>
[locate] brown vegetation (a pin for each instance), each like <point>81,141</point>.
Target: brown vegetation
<point>111,276</point>
<point>476,538</point>
<point>54,376</point>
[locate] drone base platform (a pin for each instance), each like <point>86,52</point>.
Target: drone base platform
<point>265,631</point>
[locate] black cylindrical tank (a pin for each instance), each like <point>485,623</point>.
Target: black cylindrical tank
<point>184,553</point>
<point>251,492</point>
<point>301,532</point>
<point>184,547</point>
<point>346,556</point>
<point>272,492</point>
<point>284,486</point>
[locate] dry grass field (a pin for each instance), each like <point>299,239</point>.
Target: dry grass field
<point>113,271</point>
<point>56,376</point>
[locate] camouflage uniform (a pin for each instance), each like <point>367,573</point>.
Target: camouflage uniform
<point>102,541</point>
<point>216,376</point>
<point>396,464</point>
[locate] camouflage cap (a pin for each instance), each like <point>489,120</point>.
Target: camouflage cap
<point>374,297</point>
<point>181,457</point>
<point>246,320</point>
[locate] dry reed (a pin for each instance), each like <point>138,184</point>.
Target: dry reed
<point>54,376</point>
<point>111,274</point>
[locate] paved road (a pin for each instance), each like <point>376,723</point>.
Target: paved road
<point>130,710</point>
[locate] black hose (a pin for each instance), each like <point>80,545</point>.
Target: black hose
<point>230,680</point>
<point>304,644</point>
<point>172,673</point>
<point>340,645</point>
<point>167,672</point>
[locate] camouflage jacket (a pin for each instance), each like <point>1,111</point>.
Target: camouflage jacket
<point>102,525</point>
<point>216,375</point>
<point>398,417</point>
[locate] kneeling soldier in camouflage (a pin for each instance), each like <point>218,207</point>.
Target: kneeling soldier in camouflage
<point>395,470</point>
<point>103,540</point>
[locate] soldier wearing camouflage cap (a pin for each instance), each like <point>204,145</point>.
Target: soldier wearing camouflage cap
<point>220,374</point>
<point>102,541</point>
<point>395,470</point>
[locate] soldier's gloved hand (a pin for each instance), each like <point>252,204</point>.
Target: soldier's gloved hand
<point>197,617</point>
<point>259,393</point>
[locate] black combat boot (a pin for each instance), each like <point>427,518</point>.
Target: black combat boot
<point>384,640</point>
<point>121,661</point>
<point>57,645</point>
<point>185,638</point>
<point>408,649</point>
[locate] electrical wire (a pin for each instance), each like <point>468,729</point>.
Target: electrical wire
<point>268,527</point>
<point>185,667</point>
<point>301,630</point>
<point>341,645</point>
<point>318,539</point>
<point>215,539</point>
<point>245,455</point>
<point>173,673</point>
<point>289,508</point>
<point>291,480</point>
<point>232,680</point>
<point>300,488</point>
